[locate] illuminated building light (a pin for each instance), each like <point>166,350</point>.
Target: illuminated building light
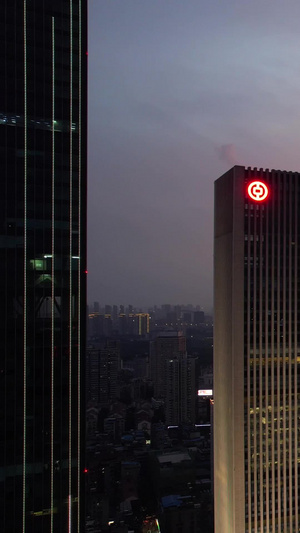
<point>37,264</point>
<point>157,523</point>
<point>73,500</point>
<point>44,512</point>
<point>52,280</point>
<point>206,392</point>
<point>79,273</point>
<point>25,277</point>
<point>85,470</point>
<point>86,271</point>
<point>70,269</point>
<point>258,191</point>
<point>110,523</point>
<point>11,119</point>
<point>70,513</point>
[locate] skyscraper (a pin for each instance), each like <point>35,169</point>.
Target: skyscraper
<point>256,351</point>
<point>180,390</point>
<point>92,369</point>
<point>110,365</point>
<point>42,263</point>
<point>102,366</point>
<point>165,346</point>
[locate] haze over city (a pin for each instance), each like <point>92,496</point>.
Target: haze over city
<point>178,93</point>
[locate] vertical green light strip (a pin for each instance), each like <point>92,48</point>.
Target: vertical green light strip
<point>52,276</point>
<point>70,273</point>
<point>79,467</point>
<point>25,276</point>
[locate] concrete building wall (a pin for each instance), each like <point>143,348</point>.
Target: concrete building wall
<point>228,387</point>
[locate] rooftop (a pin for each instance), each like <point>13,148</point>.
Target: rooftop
<point>176,457</point>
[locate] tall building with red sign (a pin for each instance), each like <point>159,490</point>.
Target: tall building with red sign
<point>257,351</point>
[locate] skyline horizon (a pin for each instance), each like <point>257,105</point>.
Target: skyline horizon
<point>159,305</point>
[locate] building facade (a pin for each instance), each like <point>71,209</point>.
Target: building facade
<point>256,351</point>
<point>166,345</point>
<point>180,390</point>
<point>92,376</point>
<point>110,365</point>
<point>43,264</point>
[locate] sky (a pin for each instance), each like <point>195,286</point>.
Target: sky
<point>179,92</point>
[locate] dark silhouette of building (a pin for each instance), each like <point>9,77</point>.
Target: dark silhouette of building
<point>93,376</point>
<point>102,366</point>
<point>180,389</point>
<point>165,346</point>
<point>43,264</point>
<point>198,317</point>
<point>110,365</point>
<point>256,351</point>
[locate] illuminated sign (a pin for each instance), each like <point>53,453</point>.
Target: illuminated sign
<point>258,191</point>
<point>206,392</point>
<point>151,525</point>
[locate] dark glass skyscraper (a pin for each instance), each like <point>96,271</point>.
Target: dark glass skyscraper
<point>42,263</point>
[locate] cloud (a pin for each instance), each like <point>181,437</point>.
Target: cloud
<point>227,153</point>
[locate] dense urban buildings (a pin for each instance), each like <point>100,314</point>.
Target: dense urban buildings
<point>256,351</point>
<point>148,429</point>
<point>43,264</point>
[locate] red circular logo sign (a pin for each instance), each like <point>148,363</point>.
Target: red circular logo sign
<point>258,191</point>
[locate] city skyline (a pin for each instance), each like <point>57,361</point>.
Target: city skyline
<point>179,93</point>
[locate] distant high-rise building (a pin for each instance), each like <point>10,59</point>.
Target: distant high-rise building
<point>43,264</point>
<point>122,324</point>
<point>180,390</point>
<point>143,321</point>
<point>94,325</point>
<point>166,308</point>
<point>166,346</point>
<point>178,310</point>
<point>108,309</point>
<point>107,325</point>
<point>115,313</point>
<point>93,376</point>
<point>110,364</point>
<point>99,326</point>
<point>187,318</point>
<point>256,351</point>
<point>131,324</point>
<point>102,366</point>
<point>171,318</point>
<point>198,317</point>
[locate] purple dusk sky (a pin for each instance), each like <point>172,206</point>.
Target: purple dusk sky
<point>179,92</point>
